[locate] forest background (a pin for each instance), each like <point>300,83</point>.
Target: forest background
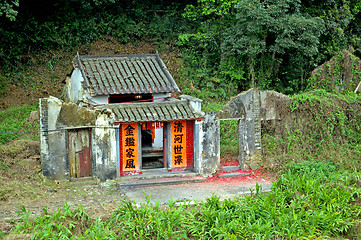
<point>215,49</point>
<point>226,46</point>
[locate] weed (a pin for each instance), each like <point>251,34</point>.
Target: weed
<point>308,201</point>
<point>229,137</point>
<point>318,126</point>
<point>13,122</point>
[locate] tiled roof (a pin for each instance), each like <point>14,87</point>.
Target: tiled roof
<point>153,111</point>
<point>125,74</point>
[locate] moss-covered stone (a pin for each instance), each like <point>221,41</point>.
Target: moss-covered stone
<point>73,116</point>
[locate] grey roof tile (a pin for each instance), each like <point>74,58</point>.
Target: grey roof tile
<point>153,111</point>
<point>125,74</point>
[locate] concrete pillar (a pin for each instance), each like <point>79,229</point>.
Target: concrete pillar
<point>210,145</point>
<point>241,134</point>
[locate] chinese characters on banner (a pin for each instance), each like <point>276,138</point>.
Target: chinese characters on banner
<point>178,144</point>
<point>130,147</point>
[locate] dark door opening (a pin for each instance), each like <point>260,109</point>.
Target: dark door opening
<point>79,145</point>
<point>152,154</point>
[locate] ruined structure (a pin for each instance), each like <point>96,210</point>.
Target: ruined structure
<point>117,117</point>
<point>253,109</point>
<point>342,73</point>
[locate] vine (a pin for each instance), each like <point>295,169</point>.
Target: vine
<point>341,74</point>
<point>318,125</point>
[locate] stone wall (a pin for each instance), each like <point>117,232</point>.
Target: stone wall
<point>209,145</point>
<point>56,119</point>
<point>53,141</point>
<point>251,108</point>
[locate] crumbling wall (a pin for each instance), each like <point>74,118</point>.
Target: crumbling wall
<point>56,119</point>
<point>208,160</point>
<point>252,108</point>
<point>342,73</point>
<point>52,141</point>
<point>104,149</point>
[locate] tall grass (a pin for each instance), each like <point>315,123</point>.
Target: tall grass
<point>308,201</point>
<point>229,141</point>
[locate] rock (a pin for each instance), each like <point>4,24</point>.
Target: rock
<point>253,166</point>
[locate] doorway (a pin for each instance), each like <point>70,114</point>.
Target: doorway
<point>152,136</point>
<point>229,142</point>
<point>79,145</point>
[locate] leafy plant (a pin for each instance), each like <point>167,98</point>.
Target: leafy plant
<point>13,122</point>
<point>317,126</point>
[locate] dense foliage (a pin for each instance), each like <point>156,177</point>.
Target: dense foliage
<point>323,203</point>
<point>226,45</point>
<point>268,44</point>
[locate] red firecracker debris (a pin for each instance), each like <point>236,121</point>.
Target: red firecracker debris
<point>252,176</point>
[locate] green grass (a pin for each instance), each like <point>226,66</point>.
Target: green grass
<point>13,123</point>
<point>229,137</point>
<point>308,201</point>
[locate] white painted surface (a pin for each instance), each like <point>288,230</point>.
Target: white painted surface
<point>158,138</point>
<point>198,154</point>
<point>194,102</point>
<point>44,147</point>
<point>160,97</point>
<point>74,85</point>
<point>54,107</point>
<point>99,99</point>
<point>102,135</point>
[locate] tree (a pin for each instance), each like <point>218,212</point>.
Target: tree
<point>342,21</point>
<point>268,32</point>
<point>7,8</point>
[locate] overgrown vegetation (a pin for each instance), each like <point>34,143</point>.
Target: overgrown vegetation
<point>14,123</point>
<point>226,46</point>
<point>309,200</point>
<point>316,126</point>
<point>342,73</point>
<point>229,138</point>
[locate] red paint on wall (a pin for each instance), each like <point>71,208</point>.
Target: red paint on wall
<point>190,144</point>
<point>120,150</point>
<point>86,160</point>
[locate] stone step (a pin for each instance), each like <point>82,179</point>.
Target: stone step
<point>230,168</point>
<point>82,181</point>
<point>157,173</point>
<point>160,181</point>
<point>233,174</point>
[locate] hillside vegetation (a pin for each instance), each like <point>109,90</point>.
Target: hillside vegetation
<point>214,49</point>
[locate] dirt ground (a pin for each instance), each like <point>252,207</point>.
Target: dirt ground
<point>98,201</point>
<point>23,185</point>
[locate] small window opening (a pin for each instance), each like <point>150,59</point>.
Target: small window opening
<point>130,98</point>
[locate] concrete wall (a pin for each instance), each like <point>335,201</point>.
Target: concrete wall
<point>104,145</point>
<point>158,139</point>
<point>251,108</point>
<point>53,142</point>
<point>207,160</point>
<point>160,97</point>
<point>58,117</point>
<point>55,118</point>
<point>73,86</point>
<point>99,99</point>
